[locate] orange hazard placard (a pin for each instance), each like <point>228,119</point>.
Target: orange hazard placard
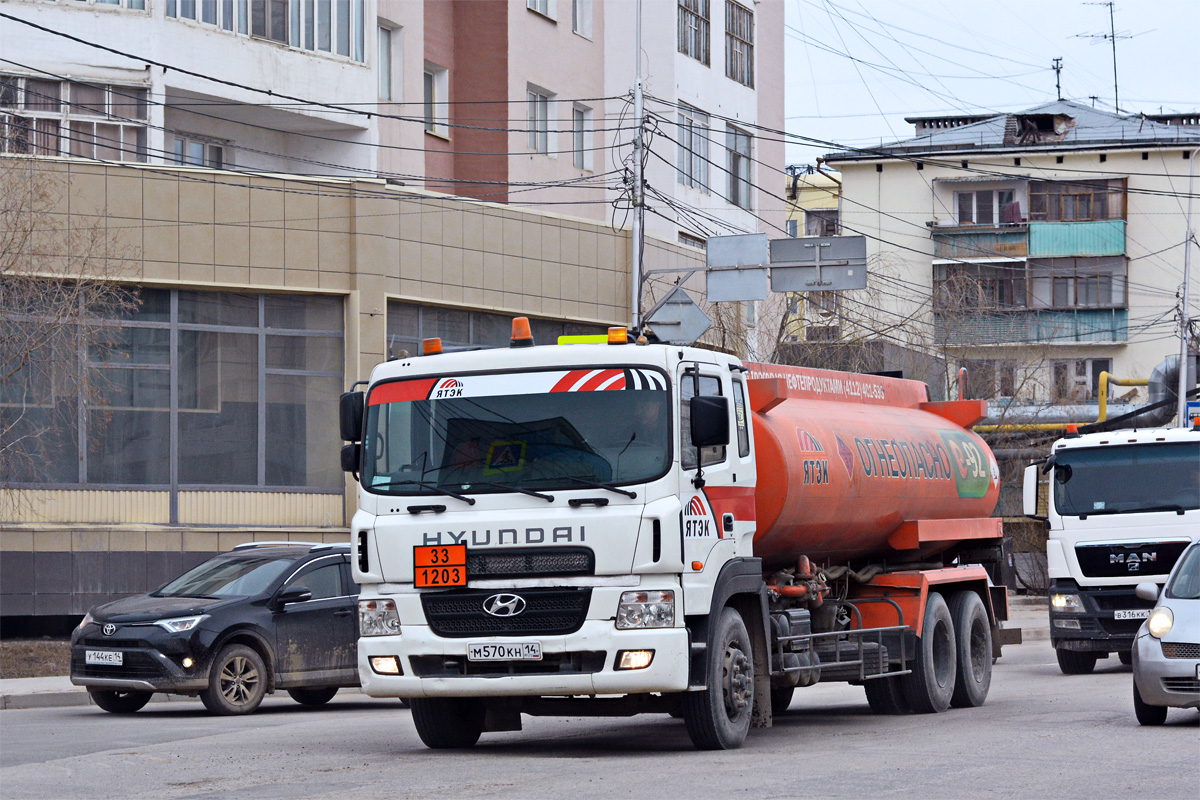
<point>439,565</point>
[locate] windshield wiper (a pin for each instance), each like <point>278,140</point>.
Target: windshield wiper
<point>596,485</point>
<point>549,498</point>
<point>1178,509</point>
<point>428,485</point>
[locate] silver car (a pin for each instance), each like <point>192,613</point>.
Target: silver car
<point>1166,651</point>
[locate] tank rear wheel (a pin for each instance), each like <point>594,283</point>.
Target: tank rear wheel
<point>718,718</point>
<point>930,686</point>
<point>1075,662</point>
<point>973,637</point>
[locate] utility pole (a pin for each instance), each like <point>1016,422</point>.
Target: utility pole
<point>639,200</point>
<point>1189,242</point>
<point>1058,77</point>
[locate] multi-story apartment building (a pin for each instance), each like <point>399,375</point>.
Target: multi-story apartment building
<point>1038,248</point>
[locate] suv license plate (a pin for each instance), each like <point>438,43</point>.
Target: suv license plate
<point>113,658</point>
<point>513,651</point>
<point>1137,613</point>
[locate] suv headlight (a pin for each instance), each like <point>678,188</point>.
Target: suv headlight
<point>646,610</point>
<point>87,618</point>
<point>1066,603</point>
<point>378,618</point>
<point>180,624</point>
<point>1161,621</point>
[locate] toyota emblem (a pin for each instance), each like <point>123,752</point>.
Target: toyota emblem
<point>504,605</point>
<point>109,629</point>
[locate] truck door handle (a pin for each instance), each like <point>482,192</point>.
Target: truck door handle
<point>727,522</point>
<point>345,612</point>
<point>576,502</point>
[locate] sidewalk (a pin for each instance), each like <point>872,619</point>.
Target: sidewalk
<point>1027,613</point>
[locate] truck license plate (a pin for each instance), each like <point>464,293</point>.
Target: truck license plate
<point>114,658</point>
<point>513,651</point>
<point>1136,613</point>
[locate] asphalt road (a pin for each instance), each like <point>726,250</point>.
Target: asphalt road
<point>1040,734</point>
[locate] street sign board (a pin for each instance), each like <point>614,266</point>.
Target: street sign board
<point>742,250</point>
<point>676,319</point>
<point>818,263</point>
<point>734,284</point>
<point>1192,410</point>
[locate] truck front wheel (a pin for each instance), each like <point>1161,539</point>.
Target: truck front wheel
<point>718,718</point>
<point>447,723</point>
<point>930,686</point>
<point>1075,662</point>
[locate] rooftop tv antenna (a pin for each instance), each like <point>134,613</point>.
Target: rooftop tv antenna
<point>1112,36</point>
<point>1058,77</point>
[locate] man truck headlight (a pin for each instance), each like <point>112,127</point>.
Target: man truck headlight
<point>378,618</point>
<point>1160,622</point>
<point>1066,603</point>
<point>646,610</point>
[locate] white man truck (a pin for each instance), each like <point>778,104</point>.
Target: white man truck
<point>620,528</point>
<point>1121,507</point>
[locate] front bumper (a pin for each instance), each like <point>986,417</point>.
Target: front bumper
<point>1162,681</point>
<point>151,660</point>
<point>580,663</point>
<point>1096,628</point>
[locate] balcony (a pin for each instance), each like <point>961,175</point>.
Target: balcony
<point>1092,325</point>
<point>980,242</point>
<point>1065,239</point>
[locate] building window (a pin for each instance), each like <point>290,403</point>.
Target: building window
<point>793,227</point>
<point>208,390</point>
<point>738,144</point>
<point>990,379</point>
<point>1079,381</point>
<point>544,7</point>
<point>988,207</point>
<point>385,63</point>
<point>739,43</point>
<point>337,27</point>
<point>459,329</point>
<point>692,241</point>
<point>1078,282</point>
<point>1076,201</point>
<point>693,148</point>
<point>539,119</point>
<point>581,17</point>
<point>581,124</point>
<point>136,5</point>
<point>52,118</point>
<point>979,287</point>
<point>821,222</point>
<point>693,29</point>
<point>436,100</point>
<point>191,151</point>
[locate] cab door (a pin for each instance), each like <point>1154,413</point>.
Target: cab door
<point>704,526</point>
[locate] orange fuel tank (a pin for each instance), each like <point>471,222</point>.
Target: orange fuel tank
<point>845,461</point>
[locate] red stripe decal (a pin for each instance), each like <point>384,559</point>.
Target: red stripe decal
<point>736,500</point>
<point>594,382</point>
<point>618,384</point>
<point>567,381</point>
<point>401,391</point>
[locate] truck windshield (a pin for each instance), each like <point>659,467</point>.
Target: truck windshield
<point>535,430</point>
<point>1126,480</point>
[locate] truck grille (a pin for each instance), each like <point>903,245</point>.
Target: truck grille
<point>548,612</point>
<point>581,663</point>
<point>137,665</point>
<point>1123,561</point>
<point>1180,650</point>
<point>530,562</point>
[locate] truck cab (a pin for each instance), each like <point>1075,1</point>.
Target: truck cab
<point>1122,506</point>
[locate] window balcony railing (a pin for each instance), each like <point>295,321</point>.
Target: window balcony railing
<point>966,242</point>
<point>1101,325</point>
<point>1065,239</point>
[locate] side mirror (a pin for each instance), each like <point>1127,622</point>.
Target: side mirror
<point>710,420</point>
<point>293,594</point>
<point>351,455</point>
<point>1147,591</point>
<point>1029,493</point>
<point>350,416</point>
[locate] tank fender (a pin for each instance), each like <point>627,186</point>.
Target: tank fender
<point>740,586</point>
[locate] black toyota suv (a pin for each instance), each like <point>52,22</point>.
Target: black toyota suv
<point>265,616</point>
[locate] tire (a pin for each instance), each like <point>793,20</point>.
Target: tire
<point>1075,662</point>
<point>973,640</point>
<point>886,696</point>
<point>1126,657</point>
<point>447,723</point>
<point>781,698</point>
<point>118,702</point>
<point>237,682</point>
<point>1147,714</point>
<point>718,718</point>
<point>930,686</point>
<point>313,697</point>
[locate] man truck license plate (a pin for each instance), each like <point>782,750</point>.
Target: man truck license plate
<point>512,651</point>
<point>1136,613</point>
<point>111,657</point>
<point>439,565</point>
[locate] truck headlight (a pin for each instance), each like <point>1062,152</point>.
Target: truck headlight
<point>180,624</point>
<point>1161,621</point>
<point>1066,603</point>
<point>646,610</point>
<point>378,618</point>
